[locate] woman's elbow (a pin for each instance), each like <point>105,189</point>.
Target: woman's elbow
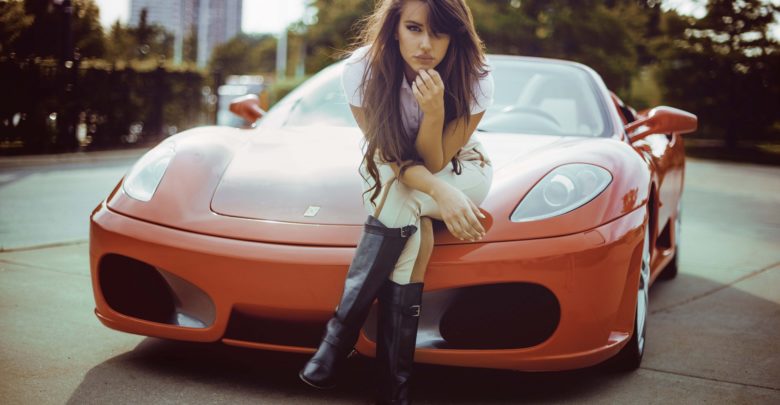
<point>432,163</point>
<point>434,167</point>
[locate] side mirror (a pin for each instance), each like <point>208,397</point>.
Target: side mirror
<point>247,107</point>
<point>662,120</point>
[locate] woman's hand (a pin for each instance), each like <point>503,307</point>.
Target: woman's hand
<point>428,89</point>
<point>458,212</point>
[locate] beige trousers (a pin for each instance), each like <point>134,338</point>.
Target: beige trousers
<point>404,205</point>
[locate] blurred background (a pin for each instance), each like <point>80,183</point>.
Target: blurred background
<point>81,75</point>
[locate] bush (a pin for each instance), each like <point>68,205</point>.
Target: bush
<point>94,107</point>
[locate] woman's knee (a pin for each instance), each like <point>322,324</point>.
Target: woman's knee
<point>404,266</point>
<point>401,205</point>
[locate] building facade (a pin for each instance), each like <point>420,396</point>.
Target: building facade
<point>213,22</point>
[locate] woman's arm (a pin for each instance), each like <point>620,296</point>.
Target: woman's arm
<point>458,212</point>
<point>435,143</point>
<point>437,148</point>
<point>414,176</point>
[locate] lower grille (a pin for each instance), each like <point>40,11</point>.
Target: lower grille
<point>503,316</point>
<point>252,328</point>
<point>487,317</point>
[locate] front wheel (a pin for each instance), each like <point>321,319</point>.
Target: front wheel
<point>630,356</point>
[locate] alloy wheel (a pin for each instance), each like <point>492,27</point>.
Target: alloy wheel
<point>643,293</point>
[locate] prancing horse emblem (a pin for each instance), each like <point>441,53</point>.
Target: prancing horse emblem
<point>311,211</point>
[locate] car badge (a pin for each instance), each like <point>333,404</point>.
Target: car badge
<point>311,211</point>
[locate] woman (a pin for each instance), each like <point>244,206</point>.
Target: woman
<point>417,87</point>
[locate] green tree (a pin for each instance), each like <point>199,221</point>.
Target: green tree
<point>138,43</point>
<point>723,67</point>
<point>45,35</point>
<point>602,35</point>
<point>605,35</point>
<point>13,21</point>
<point>506,27</point>
<point>245,54</point>
<point>88,34</point>
<point>152,39</point>
<point>121,44</point>
<point>332,29</point>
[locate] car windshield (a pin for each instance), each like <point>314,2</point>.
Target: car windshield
<point>531,97</point>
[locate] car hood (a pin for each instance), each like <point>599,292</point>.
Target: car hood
<point>310,175</point>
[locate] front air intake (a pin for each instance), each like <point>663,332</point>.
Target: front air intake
<point>484,317</point>
<point>140,290</point>
<point>500,316</point>
<point>136,289</point>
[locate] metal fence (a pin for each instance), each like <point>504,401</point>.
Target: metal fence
<point>46,108</point>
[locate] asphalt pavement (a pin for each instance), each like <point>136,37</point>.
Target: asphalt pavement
<point>711,338</point>
<point>46,200</point>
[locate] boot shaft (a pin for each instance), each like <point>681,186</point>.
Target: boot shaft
<point>375,258</point>
<point>399,315</point>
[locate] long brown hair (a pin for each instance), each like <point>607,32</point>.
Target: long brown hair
<point>461,68</point>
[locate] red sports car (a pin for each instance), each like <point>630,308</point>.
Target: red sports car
<point>245,235</point>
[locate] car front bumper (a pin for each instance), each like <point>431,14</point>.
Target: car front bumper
<point>211,284</point>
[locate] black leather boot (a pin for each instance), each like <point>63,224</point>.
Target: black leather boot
<point>399,314</point>
<point>375,258</point>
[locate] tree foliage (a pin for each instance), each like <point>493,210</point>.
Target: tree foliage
<point>602,35</point>
<point>724,68</point>
<point>605,35</point>
<point>146,41</point>
<point>13,21</point>
<point>245,54</point>
<point>333,29</point>
<point>43,35</point>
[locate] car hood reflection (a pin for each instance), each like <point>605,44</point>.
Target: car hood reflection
<point>310,175</point>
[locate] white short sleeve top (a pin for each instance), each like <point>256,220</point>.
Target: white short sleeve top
<point>411,113</point>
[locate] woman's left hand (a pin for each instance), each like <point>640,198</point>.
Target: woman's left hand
<point>458,212</point>
<point>428,89</point>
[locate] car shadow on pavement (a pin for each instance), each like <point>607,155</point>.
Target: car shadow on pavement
<point>689,341</point>
<point>204,372</point>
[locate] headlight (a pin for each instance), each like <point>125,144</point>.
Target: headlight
<point>147,172</point>
<point>564,189</point>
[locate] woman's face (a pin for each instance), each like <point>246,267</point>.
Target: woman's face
<point>420,48</point>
